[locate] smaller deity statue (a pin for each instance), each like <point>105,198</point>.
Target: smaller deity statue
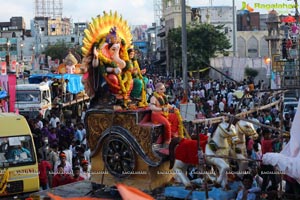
<point>139,81</point>
<point>69,64</point>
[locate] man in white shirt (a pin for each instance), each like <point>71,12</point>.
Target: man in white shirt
<point>63,161</point>
<point>221,106</point>
<point>85,170</point>
<point>229,98</point>
<point>83,132</point>
<point>53,120</point>
<point>211,102</point>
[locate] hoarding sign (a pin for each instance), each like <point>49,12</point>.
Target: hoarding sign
<point>263,7</point>
<point>3,68</point>
<point>139,32</point>
<point>13,66</point>
<point>8,83</point>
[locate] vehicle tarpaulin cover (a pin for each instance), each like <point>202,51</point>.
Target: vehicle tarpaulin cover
<point>3,94</point>
<point>74,86</point>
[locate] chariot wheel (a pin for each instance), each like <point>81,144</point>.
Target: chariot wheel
<point>118,156</point>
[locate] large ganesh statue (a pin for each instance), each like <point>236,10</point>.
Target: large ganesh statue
<point>108,79</point>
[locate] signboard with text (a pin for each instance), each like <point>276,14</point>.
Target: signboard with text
<point>263,7</point>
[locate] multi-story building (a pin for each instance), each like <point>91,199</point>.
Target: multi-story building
<point>79,28</point>
<point>22,44</point>
<point>152,48</point>
<point>171,18</point>
<point>249,40</point>
<point>11,37</point>
<point>217,15</point>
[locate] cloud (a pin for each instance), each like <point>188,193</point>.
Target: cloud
<point>137,3</point>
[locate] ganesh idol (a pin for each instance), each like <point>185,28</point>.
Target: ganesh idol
<point>108,68</point>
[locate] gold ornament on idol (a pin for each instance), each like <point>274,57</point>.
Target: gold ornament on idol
<point>96,34</point>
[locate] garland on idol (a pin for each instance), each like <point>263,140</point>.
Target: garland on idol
<point>143,101</point>
<point>124,82</point>
<point>163,101</point>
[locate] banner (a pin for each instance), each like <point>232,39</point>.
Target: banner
<point>8,83</point>
<point>3,68</point>
<point>13,66</point>
<point>263,7</point>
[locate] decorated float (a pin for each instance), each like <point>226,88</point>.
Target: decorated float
<point>122,137</point>
<point>119,130</point>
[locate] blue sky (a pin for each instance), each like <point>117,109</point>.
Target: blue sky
<point>136,12</point>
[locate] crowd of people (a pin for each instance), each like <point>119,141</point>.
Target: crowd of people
<point>63,153</point>
<point>214,97</point>
<point>63,148</point>
<point>58,87</point>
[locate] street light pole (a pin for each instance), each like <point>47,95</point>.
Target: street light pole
<point>184,47</point>
<point>33,57</point>
<point>37,44</point>
<point>7,57</point>
<point>21,46</point>
<point>234,27</point>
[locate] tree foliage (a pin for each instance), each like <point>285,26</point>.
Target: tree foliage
<point>60,49</point>
<point>204,41</point>
<point>251,72</point>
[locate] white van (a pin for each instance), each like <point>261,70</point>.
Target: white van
<point>33,99</point>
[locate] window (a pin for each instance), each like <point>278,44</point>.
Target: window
<point>28,96</point>
<point>16,151</point>
<point>226,30</point>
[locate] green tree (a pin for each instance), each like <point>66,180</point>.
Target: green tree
<point>58,50</point>
<point>250,72</point>
<point>204,41</point>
